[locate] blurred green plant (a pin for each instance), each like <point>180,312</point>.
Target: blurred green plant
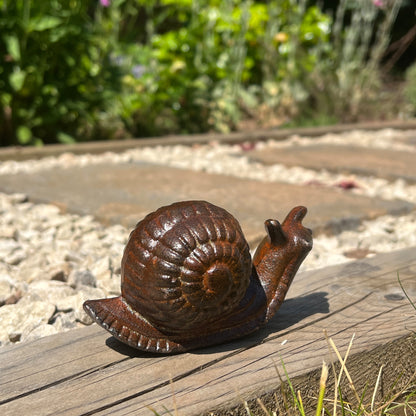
<point>209,64</point>
<point>218,61</point>
<point>56,75</point>
<point>345,83</point>
<point>82,70</point>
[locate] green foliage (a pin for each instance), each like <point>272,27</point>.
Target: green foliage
<point>56,74</point>
<point>82,70</point>
<point>217,61</point>
<point>345,80</point>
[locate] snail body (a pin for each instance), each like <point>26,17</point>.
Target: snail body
<point>188,280</point>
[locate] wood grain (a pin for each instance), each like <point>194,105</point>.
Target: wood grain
<point>86,372</point>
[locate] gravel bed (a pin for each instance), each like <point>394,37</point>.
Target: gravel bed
<point>234,160</point>
<point>51,262</point>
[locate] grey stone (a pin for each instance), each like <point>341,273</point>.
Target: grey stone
<point>27,234</point>
<point>8,231</point>
<point>81,278</point>
<point>101,266</point>
<point>7,286</point>
<point>50,290</point>
<point>110,283</point>
<point>17,198</point>
<point>44,212</point>
<point>40,331</point>
<point>58,272</point>
<point>20,317</point>
<point>64,321</point>
<point>8,246</point>
<point>72,256</point>
<point>15,257</point>
<point>75,302</point>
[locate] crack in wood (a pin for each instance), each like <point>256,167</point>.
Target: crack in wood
<point>62,380</point>
<point>369,319</point>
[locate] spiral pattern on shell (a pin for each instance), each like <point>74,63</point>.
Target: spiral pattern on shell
<point>187,264</point>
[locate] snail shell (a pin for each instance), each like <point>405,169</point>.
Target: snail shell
<point>187,278</point>
<point>186,261</point>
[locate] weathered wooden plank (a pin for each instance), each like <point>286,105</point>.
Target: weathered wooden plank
<point>63,363</point>
<point>51,359</point>
<point>77,373</point>
<point>370,305</point>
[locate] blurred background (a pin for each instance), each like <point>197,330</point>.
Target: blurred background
<point>78,70</point>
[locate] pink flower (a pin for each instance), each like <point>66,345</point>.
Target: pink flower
<point>105,3</point>
<point>378,3</point>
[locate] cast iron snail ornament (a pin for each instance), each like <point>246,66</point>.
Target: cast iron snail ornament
<point>188,281</point>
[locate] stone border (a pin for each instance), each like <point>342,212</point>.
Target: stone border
<point>25,153</point>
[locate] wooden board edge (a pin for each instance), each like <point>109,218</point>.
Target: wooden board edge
<point>394,362</point>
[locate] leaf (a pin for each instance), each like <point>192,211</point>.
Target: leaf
<point>181,3</point>
<point>17,79</point>
<point>13,46</point>
<point>40,24</point>
<point>24,134</point>
<point>65,138</point>
<point>5,99</point>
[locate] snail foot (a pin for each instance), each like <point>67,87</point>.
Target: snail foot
<point>128,326</point>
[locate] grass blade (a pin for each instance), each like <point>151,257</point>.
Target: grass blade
<point>405,293</point>
<point>376,388</point>
<point>322,386</point>
<point>264,408</point>
<point>292,390</point>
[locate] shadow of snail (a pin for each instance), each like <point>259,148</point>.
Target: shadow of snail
<point>188,280</point>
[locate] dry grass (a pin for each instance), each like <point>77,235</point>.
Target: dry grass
<point>402,402</point>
